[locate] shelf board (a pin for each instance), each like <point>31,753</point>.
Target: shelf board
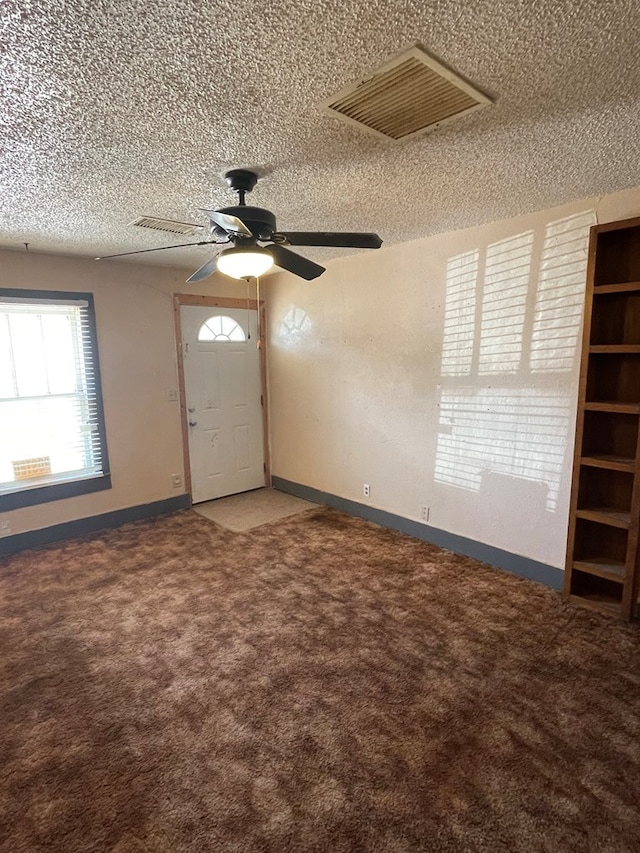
<point>614,349</point>
<point>602,605</point>
<point>620,287</point>
<point>610,462</point>
<point>612,406</point>
<point>602,567</point>
<point>605,515</point>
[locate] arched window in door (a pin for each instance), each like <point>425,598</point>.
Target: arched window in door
<point>221,328</point>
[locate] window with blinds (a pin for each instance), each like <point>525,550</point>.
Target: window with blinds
<point>52,438</point>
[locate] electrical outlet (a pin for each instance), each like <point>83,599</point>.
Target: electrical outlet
<point>176,480</point>
<point>366,490</point>
<point>172,396</point>
<point>5,528</point>
<point>424,513</point>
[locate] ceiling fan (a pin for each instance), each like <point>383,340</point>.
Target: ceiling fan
<point>247,228</point>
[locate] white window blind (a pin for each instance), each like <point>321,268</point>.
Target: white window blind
<point>49,397</point>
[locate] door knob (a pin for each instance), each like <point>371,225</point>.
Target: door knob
<point>193,423</point>
<point>192,409</point>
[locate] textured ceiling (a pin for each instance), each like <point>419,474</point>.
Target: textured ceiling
<point>110,110</point>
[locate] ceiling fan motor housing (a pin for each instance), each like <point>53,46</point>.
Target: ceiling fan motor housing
<point>261,222</point>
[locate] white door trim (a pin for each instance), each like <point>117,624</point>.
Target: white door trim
<point>180,299</point>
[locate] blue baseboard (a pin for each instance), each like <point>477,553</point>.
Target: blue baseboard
<point>505,560</point>
<point>82,526</point>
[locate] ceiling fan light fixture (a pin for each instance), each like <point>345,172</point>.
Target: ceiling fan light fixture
<point>244,262</point>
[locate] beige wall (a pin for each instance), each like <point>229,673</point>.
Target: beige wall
<point>443,372</point>
<point>138,362</point>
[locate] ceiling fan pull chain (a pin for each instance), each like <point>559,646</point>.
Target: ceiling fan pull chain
<point>248,314</point>
<point>259,344</point>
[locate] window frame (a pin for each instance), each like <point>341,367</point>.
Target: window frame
<point>84,485</point>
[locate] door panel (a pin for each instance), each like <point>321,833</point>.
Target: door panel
<point>238,370</point>
<point>242,447</point>
<point>223,398</point>
<point>212,461</point>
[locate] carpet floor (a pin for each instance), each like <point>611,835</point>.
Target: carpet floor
<point>319,684</point>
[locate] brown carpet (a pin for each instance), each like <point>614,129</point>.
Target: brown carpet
<point>319,684</point>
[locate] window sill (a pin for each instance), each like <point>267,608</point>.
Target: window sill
<point>53,492</point>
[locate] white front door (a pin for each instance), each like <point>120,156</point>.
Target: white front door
<point>223,399</point>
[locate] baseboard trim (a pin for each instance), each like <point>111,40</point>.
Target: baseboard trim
<point>82,526</point>
<point>505,560</point>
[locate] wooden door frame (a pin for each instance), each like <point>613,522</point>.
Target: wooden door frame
<point>180,299</point>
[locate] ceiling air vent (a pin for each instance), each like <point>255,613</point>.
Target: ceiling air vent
<point>166,225</point>
<point>407,96</point>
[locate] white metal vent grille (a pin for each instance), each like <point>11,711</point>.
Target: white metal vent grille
<point>169,225</point>
<point>407,96</point>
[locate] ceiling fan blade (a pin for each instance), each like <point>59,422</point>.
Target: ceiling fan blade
<point>295,263</point>
<point>348,239</point>
<point>231,224</point>
<point>204,271</point>
<point>157,249</point>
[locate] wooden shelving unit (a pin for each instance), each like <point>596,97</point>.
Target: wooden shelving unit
<point>603,549</point>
